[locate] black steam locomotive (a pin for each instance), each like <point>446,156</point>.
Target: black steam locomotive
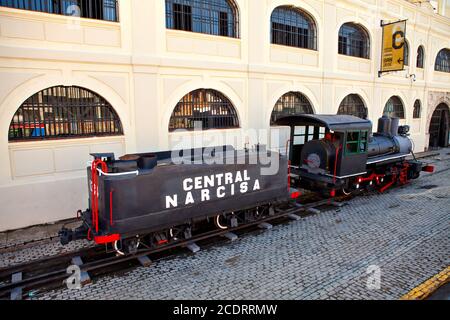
<point>339,153</point>
<point>153,199</point>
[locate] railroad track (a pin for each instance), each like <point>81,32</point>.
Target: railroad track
<point>21,281</point>
<point>24,280</point>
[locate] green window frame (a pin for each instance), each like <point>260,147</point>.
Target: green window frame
<point>356,142</point>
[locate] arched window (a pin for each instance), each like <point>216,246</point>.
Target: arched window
<point>64,112</point>
<point>420,57</point>
<point>293,27</point>
<point>292,103</point>
<point>443,61</point>
<point>354,106</point>
<point>394,108</point>
<point>216,17</point>
<point>417,109</point>
<point>92,9</point>
<point>354,41</point>
<point>406,53</point>
<point>205,107</point>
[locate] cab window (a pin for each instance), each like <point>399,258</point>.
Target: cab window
<point>356,142</point>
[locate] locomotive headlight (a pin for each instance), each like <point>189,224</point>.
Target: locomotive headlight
<point>357,186</point>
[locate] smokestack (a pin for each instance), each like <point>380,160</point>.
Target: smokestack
<point>384,125</point>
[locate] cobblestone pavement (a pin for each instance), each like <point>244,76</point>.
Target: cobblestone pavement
<point>405,232</point>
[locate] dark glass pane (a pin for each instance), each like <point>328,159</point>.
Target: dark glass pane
<point>443,61</point>
<point>417,109</point>
<point>353,41</point>
<point>420,57</point>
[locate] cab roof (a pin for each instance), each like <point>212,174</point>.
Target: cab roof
<point>331,122</point>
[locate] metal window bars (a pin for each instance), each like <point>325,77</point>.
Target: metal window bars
<point>443,61</point>
<point>353,41</point>
<point>64,112</point>
<point>354,106</point>
<point>215,17</point>
<point>293,27</point>
<point>92,9</point>
<point>394,108</point>
<point>208,107</point>
<point>291,103</point>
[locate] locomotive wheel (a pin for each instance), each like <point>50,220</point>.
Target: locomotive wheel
<point>127,246</point>
<point>346,192</point>
<point>182,232</point>
<point>220,222</point>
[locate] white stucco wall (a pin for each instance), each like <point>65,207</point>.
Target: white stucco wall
<point>143,70</point>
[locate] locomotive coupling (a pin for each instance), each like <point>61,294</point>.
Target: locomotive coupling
<point>68,235</point>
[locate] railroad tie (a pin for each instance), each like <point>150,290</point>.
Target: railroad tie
<point>231,236</point>
<point>16,293</point>
<point>265,226</point>
<point>193,247</point>
<point>293,217</point>
<point>144,261</point>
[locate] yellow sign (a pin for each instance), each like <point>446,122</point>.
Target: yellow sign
<point>393,54</point>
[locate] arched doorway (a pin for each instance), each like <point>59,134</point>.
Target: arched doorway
<point>439,127</point>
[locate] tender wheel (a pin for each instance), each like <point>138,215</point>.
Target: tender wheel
<point>221,222</point>
<point>127,246</point>
<point>346,191</point>
<point>183,232</point>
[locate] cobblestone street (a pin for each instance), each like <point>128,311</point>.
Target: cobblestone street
<point>405,232</point>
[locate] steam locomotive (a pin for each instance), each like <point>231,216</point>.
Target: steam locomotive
<point>162,197</point>
<point>339,153</point>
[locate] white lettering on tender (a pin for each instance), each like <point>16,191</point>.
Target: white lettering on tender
<point>171,201</point>
<point>187,184</point>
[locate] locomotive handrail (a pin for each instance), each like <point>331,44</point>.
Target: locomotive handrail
<point>117,174</point>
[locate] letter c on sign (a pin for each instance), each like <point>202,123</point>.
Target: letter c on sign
<point>220,192</point>
<point>398,37</point>
<point>187,184</point>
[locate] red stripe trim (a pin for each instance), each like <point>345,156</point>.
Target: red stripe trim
<point>107,239</point>
<point>111,207</point>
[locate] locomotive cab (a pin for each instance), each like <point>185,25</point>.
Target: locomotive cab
<point>325,150</point>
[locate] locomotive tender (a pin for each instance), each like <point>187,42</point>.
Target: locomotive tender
<point>149,199</point>
<point>149,196</point>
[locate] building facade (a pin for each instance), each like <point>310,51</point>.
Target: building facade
<point>126,74</point>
